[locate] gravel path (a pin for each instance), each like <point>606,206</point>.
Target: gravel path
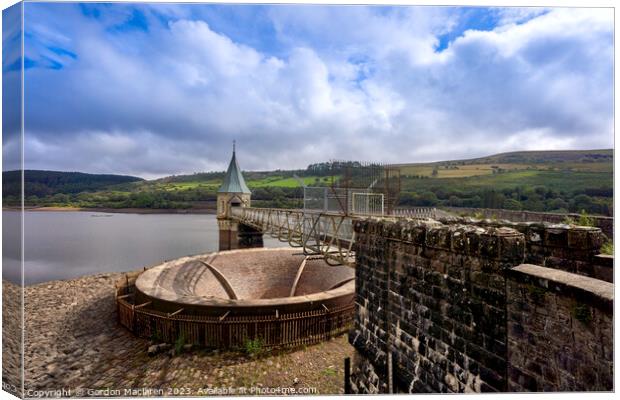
<point>74,343</point>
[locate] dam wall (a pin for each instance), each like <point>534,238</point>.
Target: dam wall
<point>454,307</point>
<point>573,249</point>
<point>606,224</point>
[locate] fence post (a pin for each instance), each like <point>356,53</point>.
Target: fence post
<point>325,202</point>
<point>278,327</point>
<point>133,318</point>
<point>347,375</point>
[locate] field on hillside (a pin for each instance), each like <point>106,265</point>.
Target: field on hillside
<point>558,181</point>
<point>551,179</point>
<point>279,181</point>
<point>452,170</point>
<point>284,182</point>
<point>208,185</point>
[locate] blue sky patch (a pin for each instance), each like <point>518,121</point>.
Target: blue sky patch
<point>62,52</point>
<point>137,21</point>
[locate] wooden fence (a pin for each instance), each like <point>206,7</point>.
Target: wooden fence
<point>283,330</point>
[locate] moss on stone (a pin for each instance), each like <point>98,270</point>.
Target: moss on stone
<point>536,293</point>
<point>581,312</point>
<point>608,248</point>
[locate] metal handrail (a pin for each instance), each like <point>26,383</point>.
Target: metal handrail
<point>329,234</point>
<point>275,330</point>
<point>317,233</point>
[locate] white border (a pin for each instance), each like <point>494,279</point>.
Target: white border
<point>487,3</point>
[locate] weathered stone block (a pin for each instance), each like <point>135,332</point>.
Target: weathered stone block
<point>489,245</point>
<point>556,237</point>
<point>495,380</point>
<point>561,263</point>
<point>584,268</point>
<point>596,238</point>
<point>578,238</point>
<point>459,241</point>
<point>512,248</point>
<point>524,381</point>
<point>438,238</point>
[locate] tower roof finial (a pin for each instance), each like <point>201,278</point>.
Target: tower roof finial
<point>233,180</point>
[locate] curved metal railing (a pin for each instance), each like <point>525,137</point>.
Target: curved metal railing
<point>276,330</point>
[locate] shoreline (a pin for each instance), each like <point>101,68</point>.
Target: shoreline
<point>115,210</point>
<point>75,342</point>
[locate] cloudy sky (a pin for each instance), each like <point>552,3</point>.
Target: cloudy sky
<point>154,90</point>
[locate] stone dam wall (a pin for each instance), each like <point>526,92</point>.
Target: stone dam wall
<point>453,307</point>
<point>606,224</point>
<point>568,248</point>
<point>560,333</point>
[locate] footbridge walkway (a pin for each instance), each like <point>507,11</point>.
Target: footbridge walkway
<point>326,234</point>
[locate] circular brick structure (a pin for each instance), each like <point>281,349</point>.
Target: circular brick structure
<point>255,281</point>
<point>224,299</point>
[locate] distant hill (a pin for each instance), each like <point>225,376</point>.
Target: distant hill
<point>565,160</point>
<point>543,157</point>
<point>532,157</point>
<point>47,183</point>
<point>519,159</point>
<point>557,181</point>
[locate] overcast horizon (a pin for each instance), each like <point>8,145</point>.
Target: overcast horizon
<point>153,90</point>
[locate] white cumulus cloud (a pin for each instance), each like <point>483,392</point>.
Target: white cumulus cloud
<point>360,83</point>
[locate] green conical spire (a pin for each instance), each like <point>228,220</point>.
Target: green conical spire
<point>233,181</point>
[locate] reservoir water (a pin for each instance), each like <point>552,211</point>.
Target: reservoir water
<point>64,245</point>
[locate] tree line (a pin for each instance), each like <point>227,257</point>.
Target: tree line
<point>592,201</point>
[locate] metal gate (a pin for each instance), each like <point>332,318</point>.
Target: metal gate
<point>367,203</point>
<point>343,200</point>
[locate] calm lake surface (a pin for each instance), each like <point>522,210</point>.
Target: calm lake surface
<point>64,245</point>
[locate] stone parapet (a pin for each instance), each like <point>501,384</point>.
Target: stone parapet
<point>565,247</point>
<point>432,301</point>
<point>603,267</point>
<point>434,295</point>
<point>560,331</point>
<point>606,224</point>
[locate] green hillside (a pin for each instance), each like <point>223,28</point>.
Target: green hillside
<point>535,157</point>
<point>49,183</point>
<point>549,157</point>
<point>560,181</point>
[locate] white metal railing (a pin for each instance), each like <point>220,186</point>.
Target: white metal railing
<point>343,200</point>
<point>416,212</point>
<point>367,203</point>
<point>328,234</point>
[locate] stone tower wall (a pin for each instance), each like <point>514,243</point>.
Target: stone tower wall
<point>224,200</point>
<point>233,235</point>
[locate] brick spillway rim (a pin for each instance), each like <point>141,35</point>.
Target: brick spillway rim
<point>147,285</point>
